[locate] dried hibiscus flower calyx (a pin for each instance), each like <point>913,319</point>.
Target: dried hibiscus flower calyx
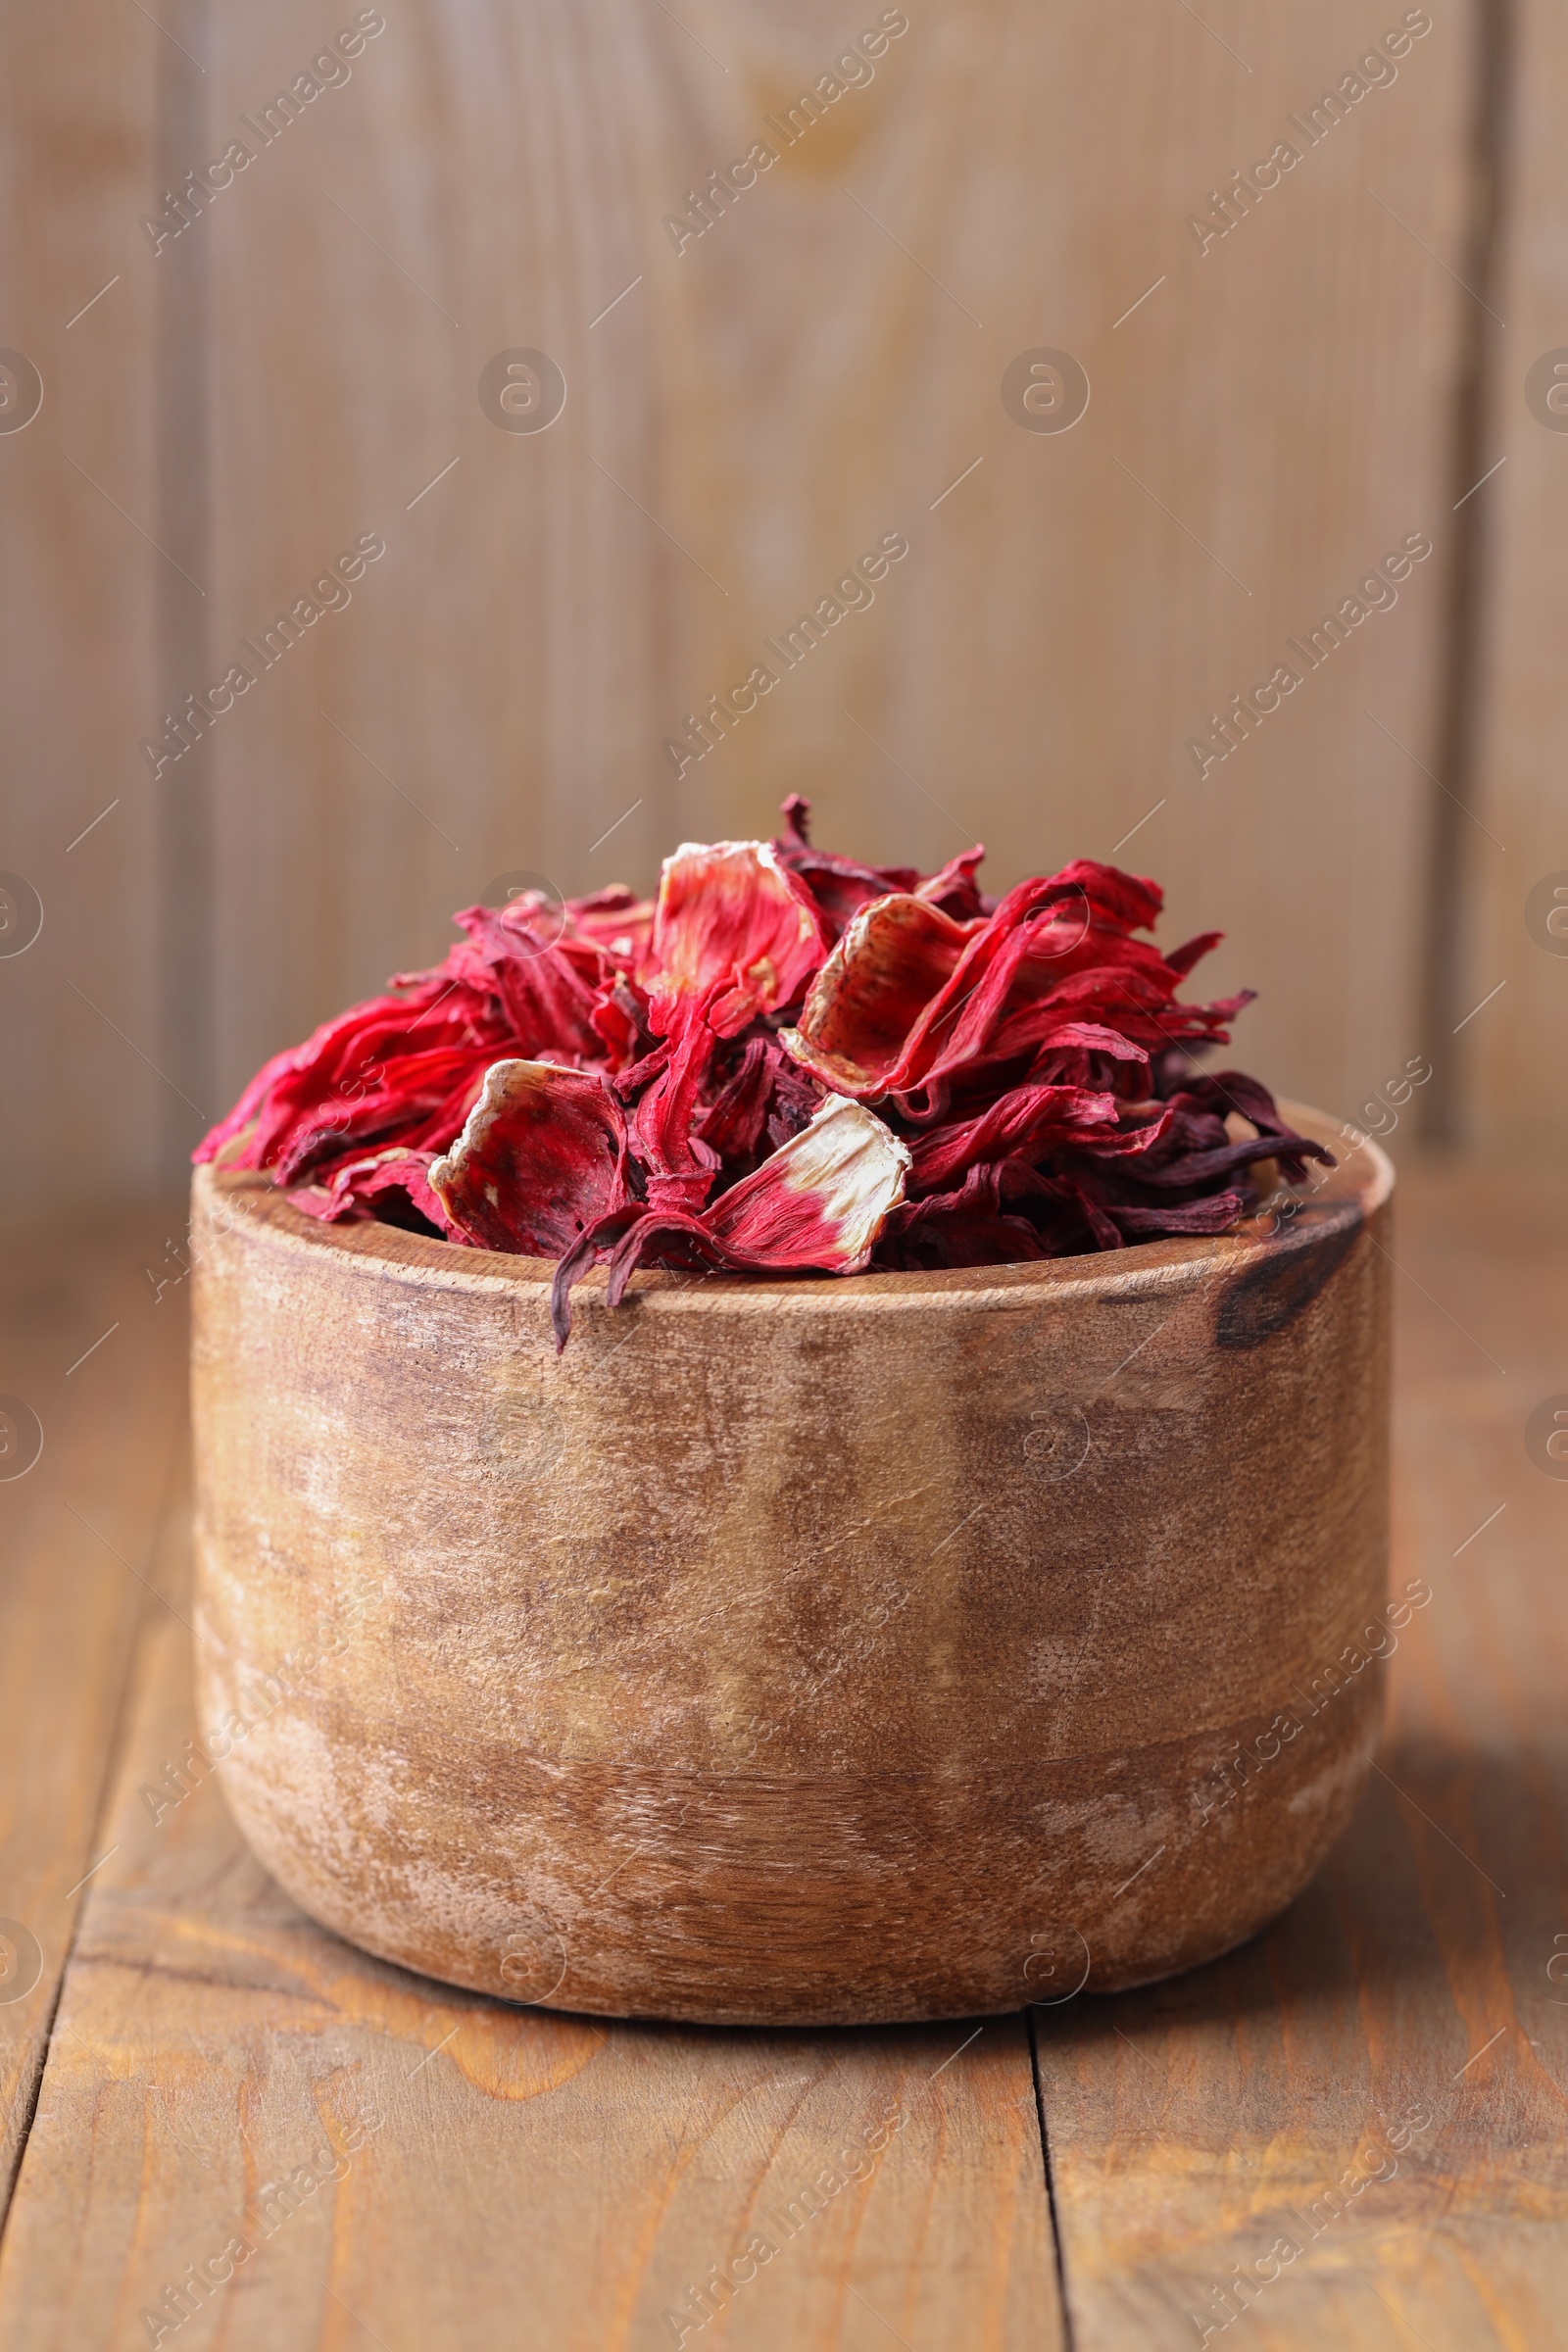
<point>894,959</point>
<point>842,886</point>
<point>542,1153</point>
<point>678,1166</point>
<point>788,1062</point>
<point>818,1204</point>
<point>735,926</point>
<point>392,1187</point>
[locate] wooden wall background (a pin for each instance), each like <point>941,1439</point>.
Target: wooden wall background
<point>78,592</point>
<point>301,366</point>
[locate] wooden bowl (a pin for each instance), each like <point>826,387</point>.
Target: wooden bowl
<point>910,1645</point>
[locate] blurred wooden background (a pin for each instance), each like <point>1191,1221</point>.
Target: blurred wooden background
<point>1268,419</point>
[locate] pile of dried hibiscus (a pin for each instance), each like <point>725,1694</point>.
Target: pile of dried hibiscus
<point>788,1062</point>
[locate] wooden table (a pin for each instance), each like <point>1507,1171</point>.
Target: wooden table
<point>1363,2110</point>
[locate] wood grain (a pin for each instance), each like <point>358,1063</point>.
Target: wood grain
<point>78,1009</point>
<point>1193,2127</point>
<point>83,1535</point>
<point>505,2178</point>
<point>794,1652</point>
<point>1515,1052</point>
<point>762,405</point>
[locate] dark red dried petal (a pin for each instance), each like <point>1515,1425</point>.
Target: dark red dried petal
<point>732,1124</point>
<point>595,1241</point>
<point>1055,952</point>
<point>954,889</point>
<point>842,886</point>
<point>839,886</point>
<point>393,1186</point>
<point>1216,1214</point>
<point>1029,1120</point>
<point>967,1227</point>
<point>542,1155</point>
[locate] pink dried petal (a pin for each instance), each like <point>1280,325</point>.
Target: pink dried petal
<point>542,1155</point>
<point>615,921</point>
<point>418,1100</point>
<point>679,1166</point>
<point>320,1200</point>
<point>546,984</point>
<point>819,1199</point>
<point>247,1108</point>
<point>371,1050</point>
<point>730,914</point>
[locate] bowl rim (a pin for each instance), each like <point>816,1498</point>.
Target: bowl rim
<point>1170,1264</point>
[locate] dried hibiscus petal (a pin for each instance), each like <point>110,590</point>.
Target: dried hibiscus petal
<point>393,1186</point>
<point>1058,952</point>
<point>816,1204</point>
<point>819,1199</point>
<point>732,1126</point>
<point>1213,1215</point>
<point>969,1227</point>
<point>615,921</point>
<point>839,886</point>
<point>857,1004</point>
<point>893,961</point>
<point>545,984</point>
<point>1029,1119</point>
<point>642,1082</point>
<point>729,912</point>
<point>679,1165</point>
<point>362,1074</point>
<point>842,886</point>
<point>542,1153</point>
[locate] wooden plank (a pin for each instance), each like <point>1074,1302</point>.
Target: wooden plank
<point>505,2177</point>
<point>1410,1991</point>
<point>744,417</point>
<point>1516,1051</point>
<point>78,294</point>
<point>100,1374</point>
